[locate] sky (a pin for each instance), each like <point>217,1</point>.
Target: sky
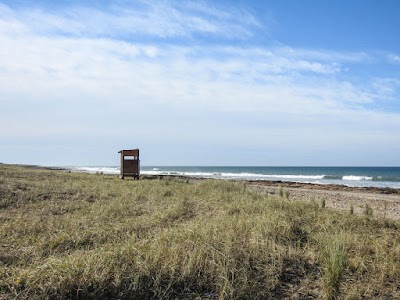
<point>213,83</point>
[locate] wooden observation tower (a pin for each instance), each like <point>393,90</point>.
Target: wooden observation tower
<point>130,163</point>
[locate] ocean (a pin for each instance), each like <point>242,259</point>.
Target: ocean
<point>349,176</point>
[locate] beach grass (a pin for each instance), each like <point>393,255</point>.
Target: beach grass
<point>86,236</point>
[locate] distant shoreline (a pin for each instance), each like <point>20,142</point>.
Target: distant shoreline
<point>384,201</point>
<point>37,167</point>
<point>272,183</point>
<point>379,177</point>
<point>287,184</point>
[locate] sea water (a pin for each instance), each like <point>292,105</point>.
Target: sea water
<point>349,176</point>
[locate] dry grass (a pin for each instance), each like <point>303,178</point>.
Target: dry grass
<point>81,236</point>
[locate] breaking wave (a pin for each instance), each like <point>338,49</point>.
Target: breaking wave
<point>310,175</point>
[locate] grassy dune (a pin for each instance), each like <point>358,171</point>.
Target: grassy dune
<point>81,236</point>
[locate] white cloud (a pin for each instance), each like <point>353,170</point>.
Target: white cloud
<point>394,58</point>
<point>9,24</point>
<point>326,55</point>
<point>109,70</point>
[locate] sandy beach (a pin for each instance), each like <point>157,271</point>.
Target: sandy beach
<point>385,202</point>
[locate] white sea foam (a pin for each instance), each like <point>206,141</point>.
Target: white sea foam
<point>235,175</point>
<point>358,178</point>
<point>177,173</point>
<point>104,170</point>
<point>296,176</point>
<point>248,176</point>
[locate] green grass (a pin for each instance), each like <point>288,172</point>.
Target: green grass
<point>333,261</point>
<point>81,236</point>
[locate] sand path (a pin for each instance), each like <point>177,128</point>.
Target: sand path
<point>383,205</point>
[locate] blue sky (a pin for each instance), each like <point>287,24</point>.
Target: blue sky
<point>200,82</point>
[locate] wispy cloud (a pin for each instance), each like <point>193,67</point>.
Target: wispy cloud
<point>394,58</point>
<point>387,88</point>
<point>161,19</point>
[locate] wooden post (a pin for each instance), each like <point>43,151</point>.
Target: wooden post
<point>122,165</point>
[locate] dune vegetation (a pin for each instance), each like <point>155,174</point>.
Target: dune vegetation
<point>86,236</point>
